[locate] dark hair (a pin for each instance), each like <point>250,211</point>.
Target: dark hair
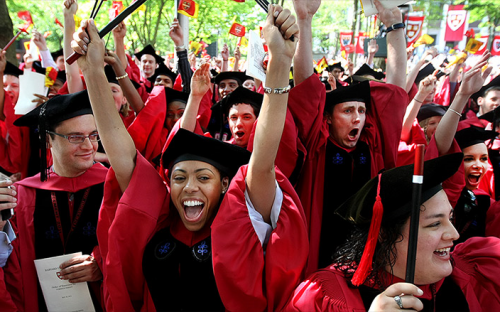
<point>256,110</point>
<point>494,88</point>
<point>349,254</point>
<point>52,128</point>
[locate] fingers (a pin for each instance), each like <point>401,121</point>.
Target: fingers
<point>92,30</point>
<point>403,288</point>
<point>410,302</point>
<point>7,195</point>
<point>73,261</point>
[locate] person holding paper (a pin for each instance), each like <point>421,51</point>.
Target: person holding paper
<point>57,210</point>
<point>173,246</point>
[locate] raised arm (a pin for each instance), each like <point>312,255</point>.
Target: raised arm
<point>303,59</point>
<point>261,176</point>
<point>116,141</point>
<point>200,84</point>
<point>412,75</point>
<point>130,92</point>
<point>73,80</point>
<point>472,82</point>
<point>424,89</point>
<point>237,57</point>
<point>225,58</point>
<point>396,46</point>
<point>119,34</point>
<point>372,50</point>
<point>183,66</point>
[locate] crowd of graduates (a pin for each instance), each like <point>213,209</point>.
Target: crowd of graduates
<point>196,187</point>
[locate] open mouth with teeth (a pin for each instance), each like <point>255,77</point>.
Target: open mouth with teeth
<point>239,134</point>
<point>193,210</point>
<point>442,252</point>
<point>353,134</point>
<point>474,178</point>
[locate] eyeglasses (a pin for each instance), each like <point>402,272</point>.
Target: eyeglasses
<point>78,138</point>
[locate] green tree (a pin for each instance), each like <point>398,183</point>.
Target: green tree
<point>6,32</point>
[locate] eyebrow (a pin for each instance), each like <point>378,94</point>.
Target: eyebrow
<point>80,133</point>
<point>197,170</point>
<point>438,215</point>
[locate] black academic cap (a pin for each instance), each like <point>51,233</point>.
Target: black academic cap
<point>57,53</point>
<point>13,70</point>
<point>473,135</point>
<point>240,77</point>
<point>37,66</point>
<point>55,110</point>
<point>110,74</point>
<point>431,110</point>
<point>151,51</point>
<point>359,92</point>
<point>493,83</point>
<point>424,72</point>
<point>396,191</point>
<point>185,145</point>
<point>367,70</point>
<point>61,75</point>
<point>174,95</point>
<point>162,69</point>
<point>335,65</point>
<point>242,95</point>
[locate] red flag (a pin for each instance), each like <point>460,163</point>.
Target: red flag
<point>115,9</point>
<point>25,16</point>
<point>495,47</point>
<point>414,28</point>
<point>455,23</point>
<point>188,8</point>
<point>345,39</point>
<point>470,33</point>
<point>349,48</point>
<point>238,30</point>
<point>59,23</point>
<point>360,43</point>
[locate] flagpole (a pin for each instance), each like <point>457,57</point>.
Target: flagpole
<point>12,40</point>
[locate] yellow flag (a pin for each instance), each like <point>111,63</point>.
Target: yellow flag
<point>77,21</point>
<point>473,45</point>
<point>424,39</point>
<point>322,64</point>
<point>243,42</point>
<point>458,59</point>
<point>195,46</point>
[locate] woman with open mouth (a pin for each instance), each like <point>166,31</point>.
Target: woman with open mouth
<point>368,273</point>
<point>164,225</point>
<point>474,203</point>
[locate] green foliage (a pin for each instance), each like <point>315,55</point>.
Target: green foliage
<point>484,8</point>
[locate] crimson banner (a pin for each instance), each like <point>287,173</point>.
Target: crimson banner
<point>413,28</point>
<point>455,23</point>
<point>495,48</point>
<point>360,43</point>
<point>345,39</point>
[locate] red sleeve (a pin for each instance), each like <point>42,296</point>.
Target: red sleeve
<point>487,183</point>
<point>133,71</point>
<point>247,279</point>
<point>325,290</point>
<point>141,207</point>
<point>406,150</point>
<point>476,272</point>
<point>64,88</point>
<point>306,103</point>
<point>178,83</point>
<point>205,109</point>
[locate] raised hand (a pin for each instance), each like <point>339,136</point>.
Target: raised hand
<point>427,85</point>
<point>280,26</point>
<point>39,40</point>
<point>120,31</point>
<point>112,59</point>
<point>474,79</point>
<point>200,82</point>
<point>225,52</point>
<point>237,53</point>
<point>86,41</point>
<point>70,7</point>
<point>388,17</point>
<point>176,33</point>
<point>372,47</point>
<point>305,9</point>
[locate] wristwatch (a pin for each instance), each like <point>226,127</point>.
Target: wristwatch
<point>395,26</point>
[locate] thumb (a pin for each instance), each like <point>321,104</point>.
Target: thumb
<point>92,30</point>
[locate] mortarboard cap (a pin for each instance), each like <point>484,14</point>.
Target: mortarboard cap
<point>492,115</point>
<point>61,75</point>
<point>110,74</point>
<point>335,65</point>
<point>481,93</point>
<point>162,69</point>
<point>365,70</point>
<point>431,110</point>
<point>473,135</point>
<point>242,95</point>
<point>151,51</point>
<point>240,77</point>
<point>359,92</point>
<point>55,110</point>
<point>174,95</point>
<point>185,145</point>
<point>427,70</point>
<point>13,70</point>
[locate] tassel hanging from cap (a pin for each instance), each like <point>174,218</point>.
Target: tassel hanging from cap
<point>42,130</point>
<point>365,265</point>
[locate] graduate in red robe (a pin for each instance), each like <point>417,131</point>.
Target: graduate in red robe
<point>369,276</point>
<point>174,244</point>
<point>57,210</point>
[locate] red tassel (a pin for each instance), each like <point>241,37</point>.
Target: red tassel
<point>365,265</point>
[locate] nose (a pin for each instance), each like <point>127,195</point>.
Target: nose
<point>191,185</point>
<point>87,144</point>
<point>451,234</point>
<point>356,117</point>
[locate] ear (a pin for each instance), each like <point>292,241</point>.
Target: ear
<point>480,101</point>
<point>48,141</point>
<point>225,184</point>
<point>328,117</point>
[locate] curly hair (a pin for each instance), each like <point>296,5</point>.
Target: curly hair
<point>349,254</point>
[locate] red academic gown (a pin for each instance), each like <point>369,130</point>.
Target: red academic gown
<point>381,132</point>
<point>19,275</point>
<point>247,279</point>
<point>475,272</point>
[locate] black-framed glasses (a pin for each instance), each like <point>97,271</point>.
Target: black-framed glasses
<point>78,138</point>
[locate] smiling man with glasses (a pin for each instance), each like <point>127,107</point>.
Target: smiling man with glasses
<point>56,211</point>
